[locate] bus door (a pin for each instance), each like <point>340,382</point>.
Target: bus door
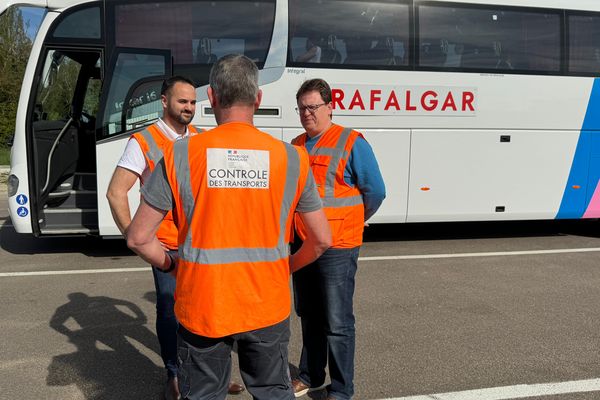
<point>61,142</point>
<point>130,102</point>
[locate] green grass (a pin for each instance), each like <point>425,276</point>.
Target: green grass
<point>4,160</point>
<point>4,155</point>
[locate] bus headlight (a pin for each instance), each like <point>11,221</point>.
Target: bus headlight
<point>13,185</point>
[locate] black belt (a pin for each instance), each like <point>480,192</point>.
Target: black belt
<point>196,340</point>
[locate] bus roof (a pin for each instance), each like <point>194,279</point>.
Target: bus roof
<point>49,4</point>
<point>591,5</point>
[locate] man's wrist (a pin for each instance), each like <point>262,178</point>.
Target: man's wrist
<point>171,266</point>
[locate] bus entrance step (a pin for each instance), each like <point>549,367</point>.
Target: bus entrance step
<point>68,230</point>
<point>69,218</point>
<point>72,199</point>
<point>78,181</point>
<point>77,191</point>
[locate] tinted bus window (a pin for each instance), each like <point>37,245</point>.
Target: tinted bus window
<point>81,24</point>
<point>484,38</point>
<point>197,33</point>
<point>584,44</point>
<point>130,71</point>
<point>352,33</point>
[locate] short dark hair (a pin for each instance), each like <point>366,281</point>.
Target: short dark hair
<point>318,85</point>
<point>234,80</point>
<point>170,82</point>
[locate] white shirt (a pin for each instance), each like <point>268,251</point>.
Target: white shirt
<point>133,157</point>
<point>317,57</point>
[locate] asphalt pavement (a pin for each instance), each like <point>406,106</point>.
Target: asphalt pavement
<point>440,308</point>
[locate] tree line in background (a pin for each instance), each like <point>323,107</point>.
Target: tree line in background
<point>15,47</point>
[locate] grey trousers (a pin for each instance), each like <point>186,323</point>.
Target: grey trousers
<point>205,363</point>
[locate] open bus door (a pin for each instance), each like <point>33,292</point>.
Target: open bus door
<point>130,102</point>
<point>61,136</point>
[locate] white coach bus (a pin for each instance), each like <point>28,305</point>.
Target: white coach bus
<point>476,109</point>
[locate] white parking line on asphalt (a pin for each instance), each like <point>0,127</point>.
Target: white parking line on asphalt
<point>379,258</point>
<point>73,272</point>
<point>486,254</point>
<point>513,392</point>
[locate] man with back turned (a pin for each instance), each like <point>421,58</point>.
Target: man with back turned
<point>234,191</point>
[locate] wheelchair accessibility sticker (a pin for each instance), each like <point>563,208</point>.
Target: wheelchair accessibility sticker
<point>22,211</point>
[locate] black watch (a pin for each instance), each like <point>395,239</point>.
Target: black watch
<point>171,264</point>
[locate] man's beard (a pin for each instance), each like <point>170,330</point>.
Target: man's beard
<point>185,118</point>
<point>182,118</point>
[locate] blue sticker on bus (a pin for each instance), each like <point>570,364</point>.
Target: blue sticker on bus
<point>21,199</point>
<point>22,211</point>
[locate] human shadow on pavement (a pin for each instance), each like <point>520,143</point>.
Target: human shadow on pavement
<point>106,364</point>
<point>18,243</point>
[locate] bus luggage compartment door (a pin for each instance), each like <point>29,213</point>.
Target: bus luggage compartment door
<point>392,150</point>
<point>458,175</point>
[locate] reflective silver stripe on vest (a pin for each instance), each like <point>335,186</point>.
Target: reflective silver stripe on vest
<point>182,170</point>
<point>154,153</point>
<point>342,201</point>
<point>337,154</point>
<point>233,255</point>
<point>331,152</point>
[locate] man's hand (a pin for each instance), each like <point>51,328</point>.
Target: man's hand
<point>141,234</point>
<point>318,239</point>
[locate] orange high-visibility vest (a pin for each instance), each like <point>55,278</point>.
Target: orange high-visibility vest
<point>153,141</point>
<point>235,190</point>
<point>342,203</point>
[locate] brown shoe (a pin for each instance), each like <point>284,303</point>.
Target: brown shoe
<point>235,388</point>
<point>300,388</point>
<point>172,389</point>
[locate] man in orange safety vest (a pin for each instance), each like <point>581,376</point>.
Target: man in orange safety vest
<point>234,191</point>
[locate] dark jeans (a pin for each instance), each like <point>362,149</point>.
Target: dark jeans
<point>323,293</point>
<point>166,322</point>
<point>205,363</point>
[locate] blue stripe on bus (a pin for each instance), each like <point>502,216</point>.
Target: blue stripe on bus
<point>575,201</point>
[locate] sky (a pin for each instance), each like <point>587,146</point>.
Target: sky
<point>33,15</point>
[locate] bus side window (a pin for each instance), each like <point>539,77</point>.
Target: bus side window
<point>454,55</point>
<point>312,50</point>
<point>203,52</point>
<point>130,67</point>
<point>397,48</point>
<point>358,49</point>
<point>584,43</point>
<point>432,54</point>
<point>480,55</point>
<point>330,54</point>
<point>142,104</point>
<point>503,57</point>
<point>477,37</point>
<point>352,33</point>
<point>196,33</point>
<point>382,53</point>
